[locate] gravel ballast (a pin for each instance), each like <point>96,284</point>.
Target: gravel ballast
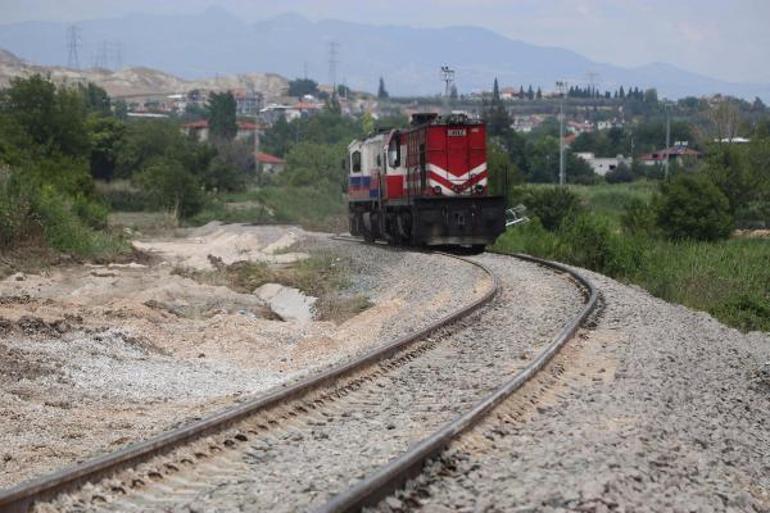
<point>301,462</point>
<point>90,363</point>
<point>655,408</point>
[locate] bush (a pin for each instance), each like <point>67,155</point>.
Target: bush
<point>590,242</point>
<point>639,218</point>
<point>552,205</point>
<point>692,207</point>
<point>621,174</point>
<point>168,185</point>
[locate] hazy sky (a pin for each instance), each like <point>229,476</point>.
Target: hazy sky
<point>726,39</point>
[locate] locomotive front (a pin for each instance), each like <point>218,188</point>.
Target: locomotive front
<point>425,185</point>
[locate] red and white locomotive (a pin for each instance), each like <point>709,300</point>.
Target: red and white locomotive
<point>424,185</point>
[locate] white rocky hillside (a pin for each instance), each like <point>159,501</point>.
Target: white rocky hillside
<point>141,81</point>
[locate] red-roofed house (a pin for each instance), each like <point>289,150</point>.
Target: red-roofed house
<point>270,164</point>
<point>677,152</point>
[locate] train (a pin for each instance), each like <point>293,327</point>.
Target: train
<point>424,185</point>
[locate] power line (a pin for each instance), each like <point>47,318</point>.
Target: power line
<point>74,41</point>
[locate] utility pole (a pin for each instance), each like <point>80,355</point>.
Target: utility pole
<point>448,77</point>
<point>562,86</point>
<point>668,138</point>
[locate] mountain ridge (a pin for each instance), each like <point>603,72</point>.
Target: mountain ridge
<point>217,42</point>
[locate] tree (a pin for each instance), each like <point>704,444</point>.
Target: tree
<point>497,117</point>
<point>121,110</point>
<point>50,119</point>
<point>222,116</point>
<point>539,94</point>
<point>621,174</point>
<point>96,99</point>
<point>503,174</point>
<point>621,93</point>
<point>315,165</point>
<point>301,86</point>
<point>382,93</point>
<point>453,94</point>
<point>106,135</point>
<point>230,169</point>
<point>651,96</point>
<point>692,207</point>
<point>168,185</point>
<point>530,93</point>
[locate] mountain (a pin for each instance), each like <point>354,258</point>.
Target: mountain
<point>216,42</point>
<point>139,81</point>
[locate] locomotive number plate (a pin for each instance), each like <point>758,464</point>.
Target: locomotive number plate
<point>456,132</point>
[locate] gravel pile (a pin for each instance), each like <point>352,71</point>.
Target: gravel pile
<point>301,463</point>
<point>660,409</point>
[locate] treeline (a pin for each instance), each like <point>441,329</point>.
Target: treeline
<point>55,142</point>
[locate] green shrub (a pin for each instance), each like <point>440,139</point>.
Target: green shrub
<point>692,207</point>
<point>621,174</point>
<point>91,212</point>
<point>589,241</point>
<point>167,185</point>
<point>639,218</point>
<point>552,205</point>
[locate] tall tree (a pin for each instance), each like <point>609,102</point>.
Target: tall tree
<point>382,93</point>
<point>302,86</point>
<point>530,93</point>
<point>222,119</point>
<point>539,94</point>
<point>495,92</point>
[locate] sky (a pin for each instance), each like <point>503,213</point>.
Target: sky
<point>725,39</point>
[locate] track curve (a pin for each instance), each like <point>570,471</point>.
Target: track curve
<point>393,475</point>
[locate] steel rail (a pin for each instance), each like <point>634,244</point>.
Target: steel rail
<point>20,498</point>
<point>398,471</point>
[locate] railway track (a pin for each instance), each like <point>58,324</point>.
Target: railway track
<point>358,430</point>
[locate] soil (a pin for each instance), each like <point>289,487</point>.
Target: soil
<point>93,357</point>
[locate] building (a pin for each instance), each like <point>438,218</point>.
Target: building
<point>603,165</point>
<point>269,164</point>
<point>200,130</point>
<point>680,152</point>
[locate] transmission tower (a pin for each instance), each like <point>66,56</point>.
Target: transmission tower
<point>102,56</point>
<point>333,61</point>
<point>74,41</point>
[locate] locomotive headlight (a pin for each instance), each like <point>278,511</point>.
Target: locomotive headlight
<point>437,190</point>
<point>479,188</point>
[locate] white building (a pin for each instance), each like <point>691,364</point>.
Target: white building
<point>603,165</point>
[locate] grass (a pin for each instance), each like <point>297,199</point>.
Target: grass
<point>324,276</point>
<point>728,279</point>
<point>312,208</point>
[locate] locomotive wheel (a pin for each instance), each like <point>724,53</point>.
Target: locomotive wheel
<point>354,224</point>
<point>369,226</point>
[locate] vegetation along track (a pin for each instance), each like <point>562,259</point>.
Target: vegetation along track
<point>293,449</point>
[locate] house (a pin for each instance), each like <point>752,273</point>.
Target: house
<point>269,164</point>
<point>200,130</point>
<point>603,165</point>
<point>525,124</point>
<point>677,153</point>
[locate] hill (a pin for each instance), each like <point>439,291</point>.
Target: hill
<point>141,81</point>
<point>216,42</point>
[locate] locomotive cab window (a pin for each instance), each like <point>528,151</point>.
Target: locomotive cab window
<point>394,153</point>
<point>355,161</point>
